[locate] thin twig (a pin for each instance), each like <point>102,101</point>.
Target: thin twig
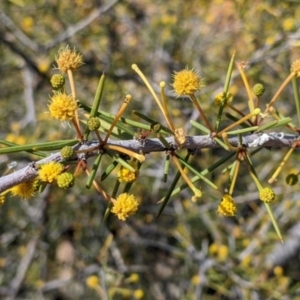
<point>23,267</point>
<point>72,30</point>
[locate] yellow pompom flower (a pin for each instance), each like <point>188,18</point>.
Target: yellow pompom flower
<point>25,190</point>
<point>186,82</point>
<point>267,195</point>
<point>68,59</point>
<point>125,175</point>
<point>50,171</point>
<point>63,107</point>
<point>124,206</point>
<point>227,207</point>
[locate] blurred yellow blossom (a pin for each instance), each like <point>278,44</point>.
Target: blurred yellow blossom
<point>278,271</point>
<point>92,281</point>
<point>196,280</point>
<point>16,139</point>
<point>138,294</point>
<point>25,190</point>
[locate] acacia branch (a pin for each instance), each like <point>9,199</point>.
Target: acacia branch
<point>268,140</point>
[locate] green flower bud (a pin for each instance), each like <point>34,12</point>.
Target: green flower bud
<point>65,180</point>
<point>57,81</point>
<point>67,152</point>
<point>258,89</point>
<point>93,123</point>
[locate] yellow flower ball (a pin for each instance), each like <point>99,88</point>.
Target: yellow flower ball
<point>227,207</point>
<point>186,82</point>
<point>63,107</point>
<point>25,190</point>
<point>50,171</point>
<point>267,195</point>
<point>124,206</point>
<point>65,180</point>
<point>68,59</point>
<point>125,175</point>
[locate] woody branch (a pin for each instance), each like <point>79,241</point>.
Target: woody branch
<point>268,140</point>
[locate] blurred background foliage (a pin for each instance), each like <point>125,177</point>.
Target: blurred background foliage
<point>56,246</point>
